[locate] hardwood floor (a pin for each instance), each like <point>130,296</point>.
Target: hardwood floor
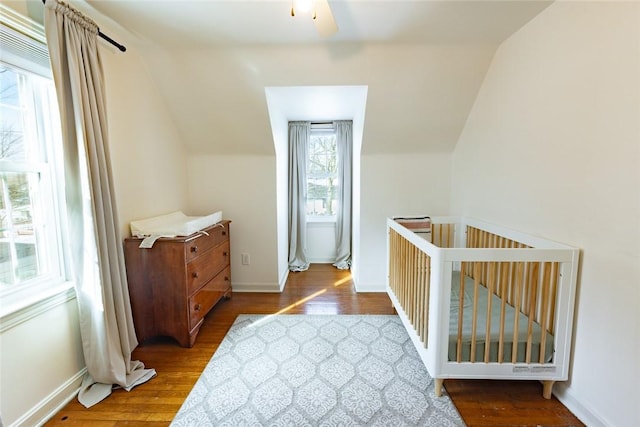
<point>320,290</point>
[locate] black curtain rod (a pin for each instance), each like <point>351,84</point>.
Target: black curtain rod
<point>120,47</point>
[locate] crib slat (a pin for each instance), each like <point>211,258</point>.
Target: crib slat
<point>531,312</point>
<point>485,265</point>
<point>460,311</point>
<point>554,289</point>
<point>512,283</point>
<point>491,287</point>
<point>398,271</point>
<point>519,275</point>
<point>427,289</point>
<point>546,284</point>
<point>392,256</point>
<point>402,272</point>
<point>504,283</point>
<point>410,282</point>
<point>418,292</point>
<point>405,279</point>
<point>409,271</point>
<point>415,272</point>
<point>474,318</point>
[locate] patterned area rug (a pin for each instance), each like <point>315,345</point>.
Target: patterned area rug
<point>318,370</point>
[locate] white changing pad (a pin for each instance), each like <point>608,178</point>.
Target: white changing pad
<point>171,225</point>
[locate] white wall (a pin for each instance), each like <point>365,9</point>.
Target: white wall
<point>147,157</point>
<point>244,188</point>
<point>552,147</point>
<point>280,130</point>
<point>30,387</point>
<point>396,184</point>
<point>321,242</point>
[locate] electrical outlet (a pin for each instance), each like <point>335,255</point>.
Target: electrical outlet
<point>246,259</point>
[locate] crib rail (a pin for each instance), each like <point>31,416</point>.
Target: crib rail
<point>443,234</point>
<point>526,287</point>
<point>520,329</point>
<point>410,278</point>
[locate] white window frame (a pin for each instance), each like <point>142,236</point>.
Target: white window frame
<point>23,47</point>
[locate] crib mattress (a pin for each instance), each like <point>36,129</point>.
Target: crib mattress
<point>496,307</point>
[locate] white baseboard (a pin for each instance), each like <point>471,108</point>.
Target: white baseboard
<point>53,403</point>
<point>283,279</point>
<point>583,413</point>
<point>370,287</point>
<point>321,260</point>
<point>256,287</point>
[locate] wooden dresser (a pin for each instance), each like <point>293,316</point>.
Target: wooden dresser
<point>174,284</point>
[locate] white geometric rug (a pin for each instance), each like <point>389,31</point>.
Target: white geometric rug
<point>316,370</point>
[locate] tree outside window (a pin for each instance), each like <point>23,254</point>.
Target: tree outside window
<point>27,215</point>
<point>322,175</point>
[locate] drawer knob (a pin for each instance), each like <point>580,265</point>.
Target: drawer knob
<point>194,248</point>
<point>226,279</point>
<point>224,233</point>
<point>195,274</point>
<point>224,253</point>
<point>197,307</point>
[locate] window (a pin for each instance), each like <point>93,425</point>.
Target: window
<point>322,174</point>
<point>31,261</point>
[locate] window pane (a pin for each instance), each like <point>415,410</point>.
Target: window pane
<point>322,175</point>
<point>12,112</point>
<point>30,246</point>
<point>18,254</point>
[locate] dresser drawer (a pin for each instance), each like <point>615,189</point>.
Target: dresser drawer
<point>173,285</point>
<point>200,243</point>
<point>206,266</point>
<point>203,300</point>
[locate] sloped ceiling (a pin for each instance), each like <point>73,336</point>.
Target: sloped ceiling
<point>423,63</point>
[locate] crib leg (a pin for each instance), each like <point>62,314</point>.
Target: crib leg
<point>439,383</point>
<point>547,386</point>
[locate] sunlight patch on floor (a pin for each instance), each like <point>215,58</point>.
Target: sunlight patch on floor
<point>342,281</point>
<point>295,304</point>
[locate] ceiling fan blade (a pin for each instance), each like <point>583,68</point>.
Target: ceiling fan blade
<point>325,24</point>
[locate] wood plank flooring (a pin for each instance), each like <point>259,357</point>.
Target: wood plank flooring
<point>320,290</point>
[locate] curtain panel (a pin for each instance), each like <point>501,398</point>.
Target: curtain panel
<point>344,147</point>
<point>96,254</point>
<point>299,134</point>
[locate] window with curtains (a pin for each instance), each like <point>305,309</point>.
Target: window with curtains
<point>31,246</point>
<point>322,174</point>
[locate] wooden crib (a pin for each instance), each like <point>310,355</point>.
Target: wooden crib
<point>483,301</point>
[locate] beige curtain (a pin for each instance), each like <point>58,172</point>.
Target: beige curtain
<point>96,259</point>
<point>298,144</point>
<point>344,145</point>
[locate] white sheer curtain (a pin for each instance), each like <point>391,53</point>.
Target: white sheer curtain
<point>298,146</point>
<point>344,147</point>
<point>97,260</point>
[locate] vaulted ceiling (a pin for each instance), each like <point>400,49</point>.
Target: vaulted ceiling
<point>423,62</point>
